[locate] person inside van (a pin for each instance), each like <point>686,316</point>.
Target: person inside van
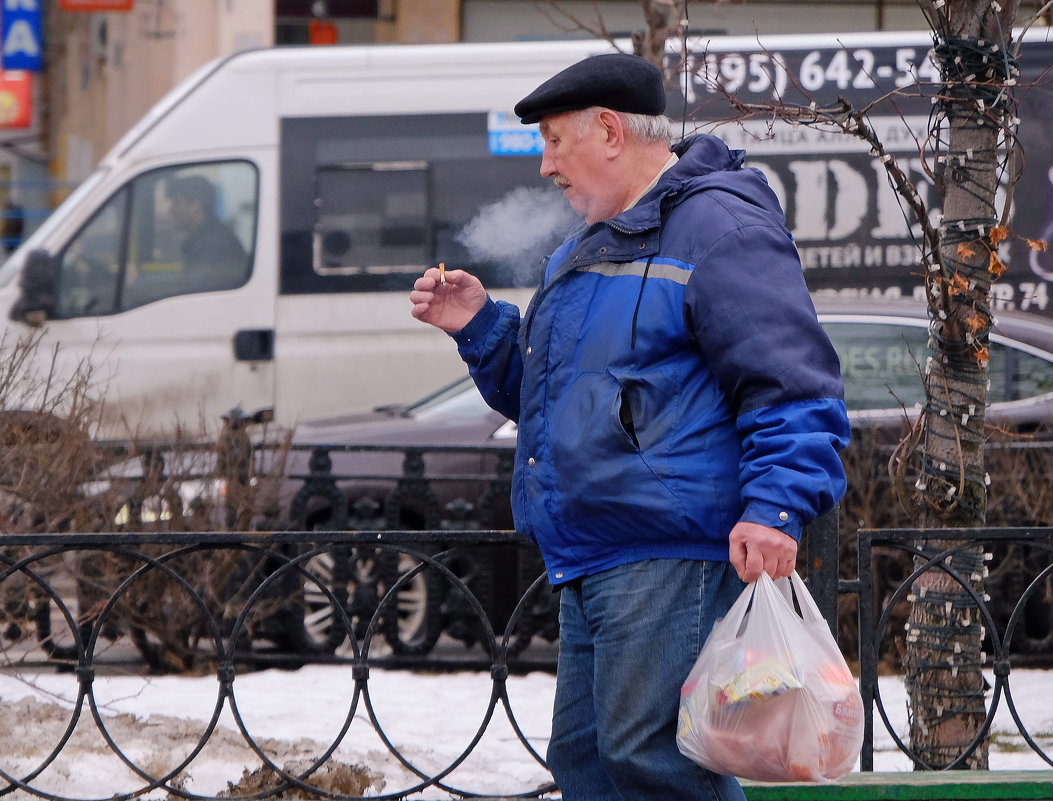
<point>212,255</point>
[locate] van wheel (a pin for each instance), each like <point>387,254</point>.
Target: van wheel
<point>359,578</point>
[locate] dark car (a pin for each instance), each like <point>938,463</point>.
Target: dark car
<point>443,462</point>
<point>882,346</point>
<point>450,435</point>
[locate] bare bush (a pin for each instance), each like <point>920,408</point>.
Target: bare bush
<point>1021,495</point>
<point>56,477</point>
<point>331,778</point>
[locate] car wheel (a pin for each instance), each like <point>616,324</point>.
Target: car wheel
<point>412,621</point>
<point>321,623</point>
<point>360,578</point>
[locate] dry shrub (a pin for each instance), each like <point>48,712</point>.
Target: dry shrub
<point>47,451</point>
<point>56,477</point>
<point>332,778</point>
<point>1020,495</point>
<point>47,455</point>
<point>182,608</point>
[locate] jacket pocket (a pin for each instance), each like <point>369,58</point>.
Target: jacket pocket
<point>605,487</point>
<point>625,417</point>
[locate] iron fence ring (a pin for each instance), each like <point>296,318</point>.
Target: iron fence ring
<point>295,565</point>
<point>429,779</point>
<point>938,561</point>
<point>539,582</point>
<point>160,564</point>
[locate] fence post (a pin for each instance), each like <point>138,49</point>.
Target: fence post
<point>821,575</point>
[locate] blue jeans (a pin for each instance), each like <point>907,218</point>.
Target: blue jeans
<point>628,638</point>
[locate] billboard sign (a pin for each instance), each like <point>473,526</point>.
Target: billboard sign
<point>16,99</point>
<point>853,232</point>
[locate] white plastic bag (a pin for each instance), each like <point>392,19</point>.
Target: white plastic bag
<point>771,697</point>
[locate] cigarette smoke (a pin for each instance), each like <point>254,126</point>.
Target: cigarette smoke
<point>527,222</point>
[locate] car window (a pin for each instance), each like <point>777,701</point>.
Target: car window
<point>89,267</point>
<point>882,362</point>
<point>191,230</point>
<point>1016,374</point>
<point>458,401</point>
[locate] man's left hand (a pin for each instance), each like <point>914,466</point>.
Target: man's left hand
<point>756,548</point>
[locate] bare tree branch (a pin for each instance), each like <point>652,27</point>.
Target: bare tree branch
<point>1029,23</point>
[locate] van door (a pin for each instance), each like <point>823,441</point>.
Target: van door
<point>158,293</point>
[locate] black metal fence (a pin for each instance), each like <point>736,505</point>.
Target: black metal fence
<point>1010,599</point>
<point>425,579</point>
<point>254,612</point>
<point>257,610</point>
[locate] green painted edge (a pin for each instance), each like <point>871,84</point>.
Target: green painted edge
<point>916,786</point>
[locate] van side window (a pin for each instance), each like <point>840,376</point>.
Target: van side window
<point>369,202</point>
<point>372,217</point>
<point>170,232</point>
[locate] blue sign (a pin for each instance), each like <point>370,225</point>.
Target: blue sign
<point>509,137</point>
<point>21,35</point>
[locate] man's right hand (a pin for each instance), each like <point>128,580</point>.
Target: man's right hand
<point>449,306</point>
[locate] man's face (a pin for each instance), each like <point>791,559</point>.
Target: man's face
<point>184,212</point>
<point>578,164</point>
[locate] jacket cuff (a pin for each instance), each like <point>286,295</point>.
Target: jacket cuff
<point>774,516</point>
<point>485,319</point>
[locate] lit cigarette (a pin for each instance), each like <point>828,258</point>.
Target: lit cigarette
<point>442,273</point>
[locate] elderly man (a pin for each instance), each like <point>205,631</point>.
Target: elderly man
<point>680,414</point>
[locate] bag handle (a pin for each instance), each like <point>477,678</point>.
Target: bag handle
<point>735,619</point>
<point>785,589</point>
<point>794,586</point>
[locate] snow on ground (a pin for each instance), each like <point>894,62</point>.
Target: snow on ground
<point>431,719</point>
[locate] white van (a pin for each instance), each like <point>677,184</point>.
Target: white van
<point>340,174</point>
<point>330,177</point>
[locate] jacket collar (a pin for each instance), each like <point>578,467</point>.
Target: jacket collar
<point>703,163</point>
<point>701,158</point>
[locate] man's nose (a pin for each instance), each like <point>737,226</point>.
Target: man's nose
<point>547,170</point>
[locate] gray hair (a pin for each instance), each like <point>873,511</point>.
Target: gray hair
<point>647,129</point>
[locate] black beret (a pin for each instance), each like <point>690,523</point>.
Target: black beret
<point>616,81</point>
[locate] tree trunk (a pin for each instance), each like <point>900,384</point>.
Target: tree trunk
<point>663,21</point>
<point>946,687</point>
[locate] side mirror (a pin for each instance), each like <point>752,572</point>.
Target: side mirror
<point>39,285</point>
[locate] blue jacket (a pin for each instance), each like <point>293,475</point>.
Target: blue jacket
<point>669,377</point>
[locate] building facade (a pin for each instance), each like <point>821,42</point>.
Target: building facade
<point>103,69</point>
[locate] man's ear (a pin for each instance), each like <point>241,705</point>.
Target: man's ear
<point>613,130</point>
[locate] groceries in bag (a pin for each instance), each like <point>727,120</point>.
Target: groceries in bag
<point>771,697</point>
